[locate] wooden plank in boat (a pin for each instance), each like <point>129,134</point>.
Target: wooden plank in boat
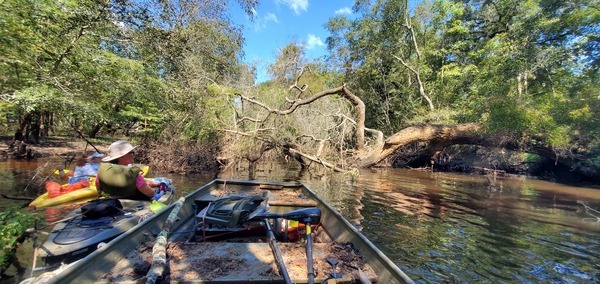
<point>271,186</point>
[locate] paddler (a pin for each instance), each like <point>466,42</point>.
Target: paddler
<point>118,177</point>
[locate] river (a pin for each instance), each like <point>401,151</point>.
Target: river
<point>437,227</point>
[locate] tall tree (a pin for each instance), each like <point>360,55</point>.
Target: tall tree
<point>116,63</point>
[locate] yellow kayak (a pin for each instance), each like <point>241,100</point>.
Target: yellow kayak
<point>76,195</point>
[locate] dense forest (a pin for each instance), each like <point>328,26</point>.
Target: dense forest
<point>401,86</point>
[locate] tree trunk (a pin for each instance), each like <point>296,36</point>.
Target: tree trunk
<point>94,131</point>
<point>422,133</point>
<point>19,136</point>
<point>439,137</point>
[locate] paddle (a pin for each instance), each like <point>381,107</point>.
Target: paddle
<point>305,216</point>
<point>278,257</point>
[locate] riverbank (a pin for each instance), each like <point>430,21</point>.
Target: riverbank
<point>467,159</point>
<point>52,146</point>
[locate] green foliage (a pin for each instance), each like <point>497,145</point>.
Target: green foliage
<point>530,158</point>
<point>506,116</point>
<point>518,66</point>
<point>122,65</point>
<point>13,224</point>
<point>36,98</point>
<point>439,116</point>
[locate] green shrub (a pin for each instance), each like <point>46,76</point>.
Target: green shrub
<point>13,224</point>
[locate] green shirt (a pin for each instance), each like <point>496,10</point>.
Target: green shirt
<point>119,181</point>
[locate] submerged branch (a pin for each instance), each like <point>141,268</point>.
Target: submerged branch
<point>587,209</point>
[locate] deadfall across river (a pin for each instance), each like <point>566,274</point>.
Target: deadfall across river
<point>321,245</point>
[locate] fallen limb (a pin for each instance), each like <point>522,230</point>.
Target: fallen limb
<point>316,160</point>
<point>588,209</point>
<point>15,197</point>
<point>159,250</point>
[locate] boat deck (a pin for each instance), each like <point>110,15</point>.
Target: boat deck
<point>238,262</point>
<point>246,256</point>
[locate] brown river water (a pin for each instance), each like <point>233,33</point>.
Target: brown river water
<point>437,227</point>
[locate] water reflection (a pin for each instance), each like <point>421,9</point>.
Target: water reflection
<point>441,227</point>
<point>452,228</point>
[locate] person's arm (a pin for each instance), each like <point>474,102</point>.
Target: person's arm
<point>144,187</point>
<point>61,172</point>
<point>97,182</point>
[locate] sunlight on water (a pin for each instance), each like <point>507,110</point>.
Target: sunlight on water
<point>453,228</point>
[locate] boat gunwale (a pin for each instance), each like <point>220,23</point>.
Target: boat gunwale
<point>71,274</point>
<point>379,256</point>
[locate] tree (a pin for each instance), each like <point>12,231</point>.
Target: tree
<point>450,63</point>
<point>123,65</point>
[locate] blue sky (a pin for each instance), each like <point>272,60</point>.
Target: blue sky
<point>279,22</point>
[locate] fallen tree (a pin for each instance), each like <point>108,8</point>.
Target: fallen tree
<point>439,137</point>
<point>343,133</point>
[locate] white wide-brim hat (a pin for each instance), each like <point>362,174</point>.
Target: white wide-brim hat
<point>118,149</point>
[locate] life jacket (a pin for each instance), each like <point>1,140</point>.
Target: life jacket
<point>53,188</point>
<point>75,186</point>
<point>119,181</point>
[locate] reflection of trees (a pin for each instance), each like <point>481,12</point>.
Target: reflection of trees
<point>448,224</point>
<point>359,193</point>
<point>340,191</point>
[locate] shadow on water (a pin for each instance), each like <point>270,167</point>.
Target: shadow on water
<point>449,228</point>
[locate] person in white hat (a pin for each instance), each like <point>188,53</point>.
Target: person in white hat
<point>119,178</point>
<point>86,167</point>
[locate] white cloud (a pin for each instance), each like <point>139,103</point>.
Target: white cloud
<point>313,41</point>
<point>262,22</point>
<point>344,11</point>
<point>295,5</point>
<point>270,17</point>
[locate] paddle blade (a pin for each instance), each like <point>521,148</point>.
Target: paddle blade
<point>157,206</point>
<point>64,171</point>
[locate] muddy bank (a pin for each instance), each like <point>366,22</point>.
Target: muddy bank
<point>178,157</point>
<point>473,159</point>
<point>58,147</point>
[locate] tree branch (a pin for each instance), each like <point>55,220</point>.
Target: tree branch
<point>341,91</point>
<point>316,160</point>
<point>419,81</point>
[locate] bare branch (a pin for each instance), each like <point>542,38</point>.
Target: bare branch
<point>412,33</point>
<point>419,81</point>
<point>316,160</point>
<point>250,119</point>
<point>587,209</point>
<point>341,91</point>
<point>295,85</point>
<point>251,133</point>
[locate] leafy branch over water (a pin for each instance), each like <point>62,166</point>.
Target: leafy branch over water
<point>14,223</point>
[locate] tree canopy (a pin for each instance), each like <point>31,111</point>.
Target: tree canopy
<point>167,70</point>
